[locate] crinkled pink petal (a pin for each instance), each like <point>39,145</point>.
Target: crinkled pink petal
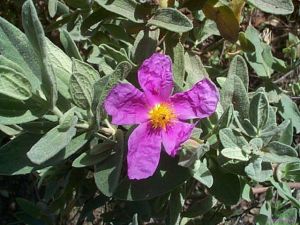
<point>199,102</point>
<point>126,104</point>
<point>144,147</point>
<point>155,77</point>
<point>175,134</point>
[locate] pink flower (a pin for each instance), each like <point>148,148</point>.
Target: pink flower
<point>159,115</point>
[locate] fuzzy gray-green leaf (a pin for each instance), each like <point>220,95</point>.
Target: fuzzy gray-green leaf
<point>259,110</point>
<point>35,33</point>
<point>14,84</point>
<point>51,143</point>
<point>130,9</point>
<point>258,170</point>
<point>281,7</point>
<point>172,20</point>
<point>235,153</point>
<point>82,84</point>
<point>69,45</point>
<point>145,44</point>
<point>240,98</point>
<point>194,68</point>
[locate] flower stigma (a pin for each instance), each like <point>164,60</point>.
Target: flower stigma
<point>161,115</point>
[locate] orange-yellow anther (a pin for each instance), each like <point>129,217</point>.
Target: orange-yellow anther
<point>161,115</point>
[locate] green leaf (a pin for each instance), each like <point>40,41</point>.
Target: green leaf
<point>235,153</point>
<point>281,7</point>
<point>145,44</point>
<point>15,46</point>
<point>226,187</point>
<point>95,17</point>
<point>117,55</point>
<point>227,90</point>
<point>13,160</point>
<point>172,20</point>
<point>234,90</point>
<point>289,111</point>
<point>255,58</point>
<point>135,220</point>
<point>208,29</point>
<point>105,84</point>
<point>176,203</point>
<point>66,121</point>
<point>285,192</point>
<point>107,174</point>
<point>194,68</point>
<point>226,118</point>
<point>191,152</point>
<point>289,216</point>
<point>247,193</point>
<point>51,143</point>
<point>14,84</point>
<point>35,33</point>
<point>86,159</point>
<point>240,98</point>
<point>69,45</point>
<point>82,4</point>
<point>281,149</point>
<point>82,83</point>
<point>130,9</point>
<point>62,66</point>
<point>286,136</point>
<point>230,138</point>
<point>52,7</point>
<point>167,177</point>
<point>292,171</point>
<point>259,110</point>
<point>245,126</point>
<point>258,170</point>
<point>12,65</point>
<point>225,19</point>
<point>238,67</point>
<point>16,112</point>
<point>202,173</point>
<point>178,64</point>
<point>75,144</point>
<point>245,43</point>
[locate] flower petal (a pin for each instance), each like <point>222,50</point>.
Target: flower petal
<point>198,102</point>
<point>126,104</point>
<point>144,147</point>
<point>155,76</point>
<point>175,135</point>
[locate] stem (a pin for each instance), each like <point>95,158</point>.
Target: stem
<point>112,130</point>
<point>104,138</point>
<point>259,190</point>
<point>83,126</point>
<point>57,112</point>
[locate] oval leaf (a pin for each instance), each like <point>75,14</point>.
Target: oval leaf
<point>82,84</point>
<point>282,7</point>
<point>259,110</point>
<point>14,84</point>
<point>172,20</point>
<point>51,143</point>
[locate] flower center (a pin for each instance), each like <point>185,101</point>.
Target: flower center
<point>161,115</point>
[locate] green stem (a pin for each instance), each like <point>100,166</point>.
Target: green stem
<point>83,126</point>
<point>112,130</point>
<point>57,112</point>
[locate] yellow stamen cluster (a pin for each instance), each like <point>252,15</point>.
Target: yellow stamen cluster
<point>161,115</point>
